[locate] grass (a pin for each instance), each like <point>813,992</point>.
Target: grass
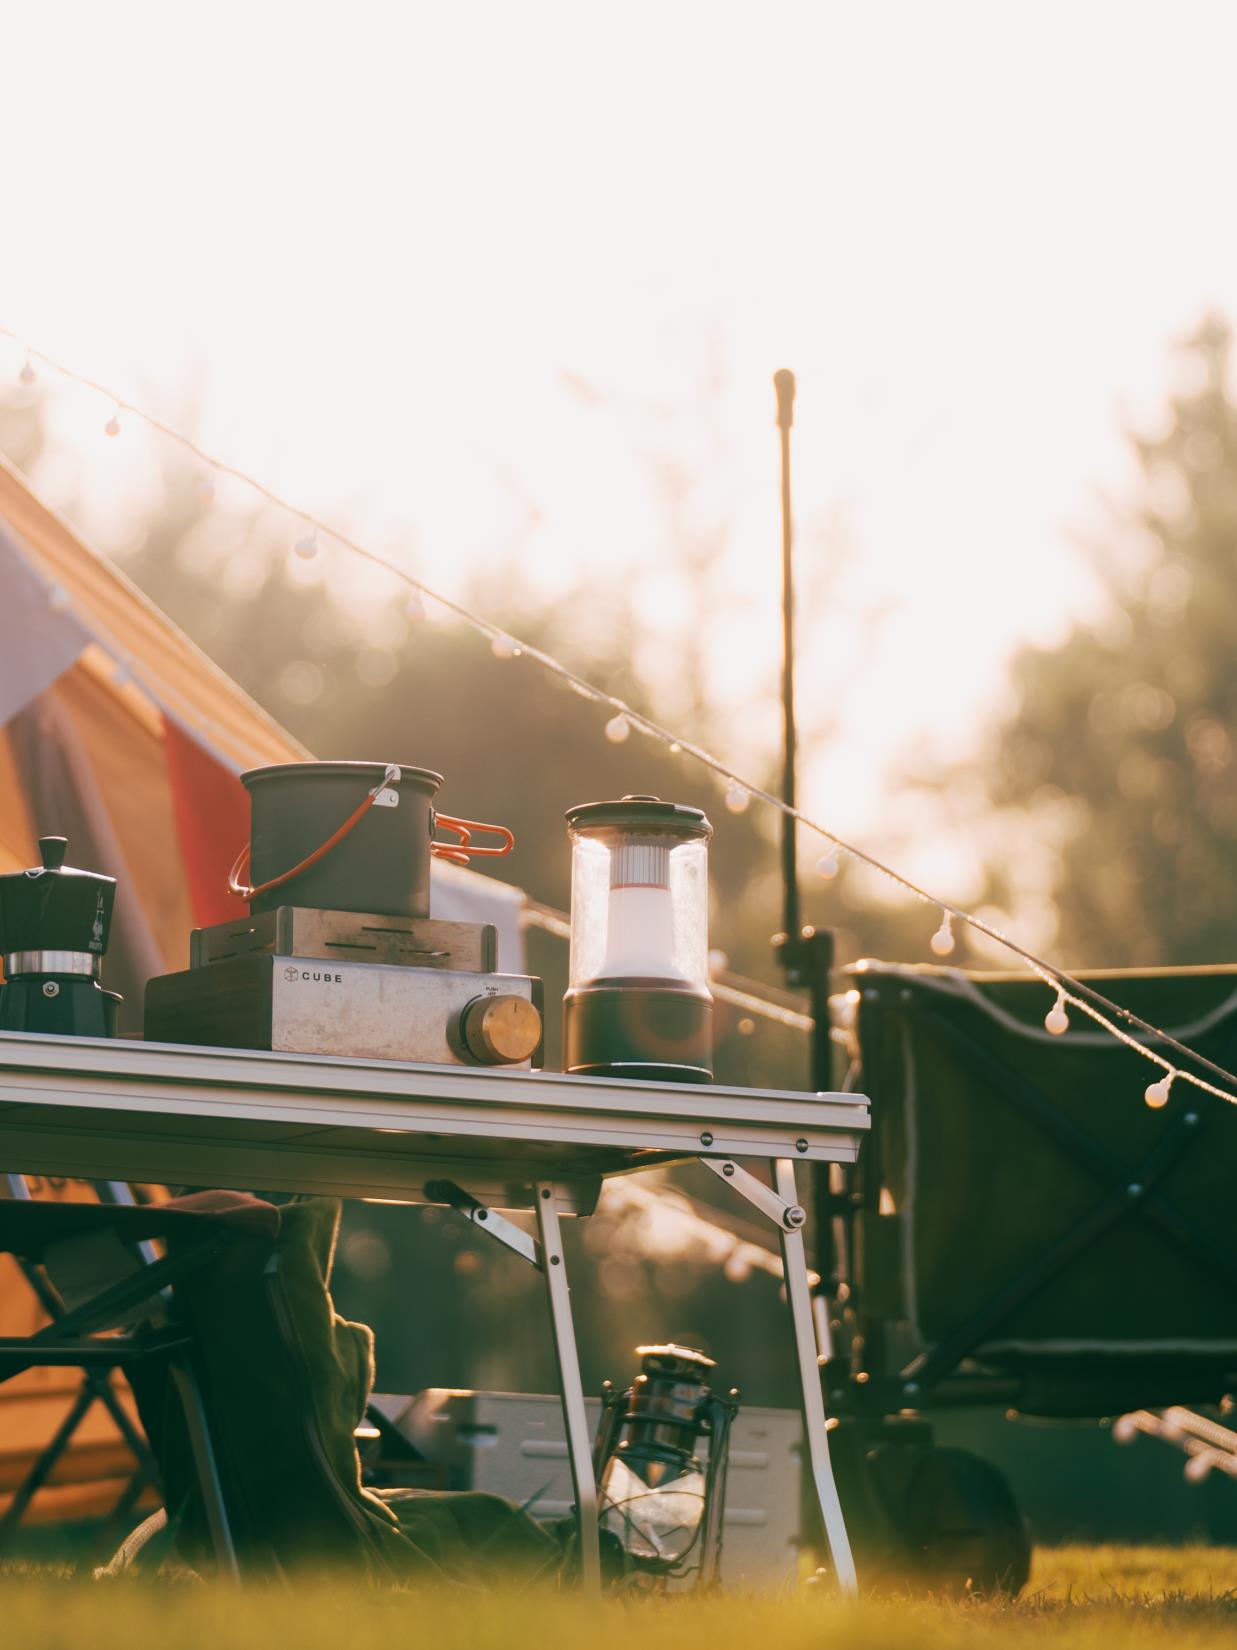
<point>1079,1599</point>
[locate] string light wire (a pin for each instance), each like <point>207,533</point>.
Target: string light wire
<point>1068,989</point>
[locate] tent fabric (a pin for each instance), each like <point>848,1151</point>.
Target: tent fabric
<point>174,672</point>
<point>60,781</point>
<point>212,822</point>
<point>41,638</point>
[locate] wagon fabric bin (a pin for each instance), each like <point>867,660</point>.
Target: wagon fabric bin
<point>1021,1213</point>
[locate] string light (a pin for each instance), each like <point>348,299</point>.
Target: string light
<point>1157,1094</point>
<point>27,373</point>
<point>307,547</point>
<point>737,798</point>
<point>942,942</point>
<point>827,866</point>
<point>1057,1020</point>
<point>1102,1011</point>
<point>502,647</point>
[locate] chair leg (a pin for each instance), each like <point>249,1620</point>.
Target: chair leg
<point>41,1471</point>
<point>207,1467</point>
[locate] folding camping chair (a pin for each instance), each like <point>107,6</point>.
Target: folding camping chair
<point>96,1387</point>
<point>108,1304</point>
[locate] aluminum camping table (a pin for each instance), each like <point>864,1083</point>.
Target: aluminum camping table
<point>481,1140</point>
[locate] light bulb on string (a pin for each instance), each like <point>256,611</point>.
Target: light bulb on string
<point>675,748</point>
<point>1157,1094</point>
<point>827,865</point>
<point>618,728</point>
<point>307,547</point>
<point>27,374</point>
<point>502,647</point>
<point>1057,1020</point>
<point>112,427</point>
<point>942,942</point>
<point>737,798</point>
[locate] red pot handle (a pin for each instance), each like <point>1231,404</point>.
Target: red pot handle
<point>460,853</point>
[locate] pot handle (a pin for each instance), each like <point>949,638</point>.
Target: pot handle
<point>459,853</point>
<point>245,891</point>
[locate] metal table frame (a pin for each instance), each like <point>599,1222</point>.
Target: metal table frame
<point>480,1140</point>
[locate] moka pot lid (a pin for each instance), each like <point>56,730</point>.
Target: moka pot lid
<point>54,906</point>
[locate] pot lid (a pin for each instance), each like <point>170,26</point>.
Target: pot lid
<point>362,771</point>
<point>634,813</point>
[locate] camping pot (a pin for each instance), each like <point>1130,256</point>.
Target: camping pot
<point>348,836</point>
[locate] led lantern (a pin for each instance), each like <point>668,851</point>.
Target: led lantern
<point>638,1003</point>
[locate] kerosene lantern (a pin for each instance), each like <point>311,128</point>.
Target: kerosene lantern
<point>638,1003</point>
<point>656,1497</point>
<point>54,923</point>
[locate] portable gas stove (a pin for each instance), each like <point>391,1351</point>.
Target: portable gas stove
<point>306,981</point>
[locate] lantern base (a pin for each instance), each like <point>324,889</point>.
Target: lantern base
<point>643,1030</point>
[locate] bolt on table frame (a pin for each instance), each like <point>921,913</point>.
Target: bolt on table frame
<point>481,1141</point>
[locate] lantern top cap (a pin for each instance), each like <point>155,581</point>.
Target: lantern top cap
<point>689,1354</point>
<point>635,813</point>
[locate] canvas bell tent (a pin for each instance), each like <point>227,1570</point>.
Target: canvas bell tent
<point>118,733</point>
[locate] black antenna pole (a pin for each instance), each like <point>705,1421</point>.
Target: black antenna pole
<point>806,954</point>
<point>784,384</point>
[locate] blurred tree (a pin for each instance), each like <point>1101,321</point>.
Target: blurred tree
<point>349,666</point>
<point>1121,749</point>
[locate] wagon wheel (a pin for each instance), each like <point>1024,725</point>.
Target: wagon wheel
<point>962,1525</point>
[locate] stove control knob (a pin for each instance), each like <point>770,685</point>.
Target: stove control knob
<point>500,1031</point>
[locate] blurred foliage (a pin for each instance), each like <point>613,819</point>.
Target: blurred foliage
<point>338,654</point>
<point>1121,750</point>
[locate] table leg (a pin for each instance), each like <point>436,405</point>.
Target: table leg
<point>799,1299</point>
<point>575,1419</point>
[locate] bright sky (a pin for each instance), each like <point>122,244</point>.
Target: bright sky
<point>389,241</point>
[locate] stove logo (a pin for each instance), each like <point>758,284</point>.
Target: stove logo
<point>307,974</point>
